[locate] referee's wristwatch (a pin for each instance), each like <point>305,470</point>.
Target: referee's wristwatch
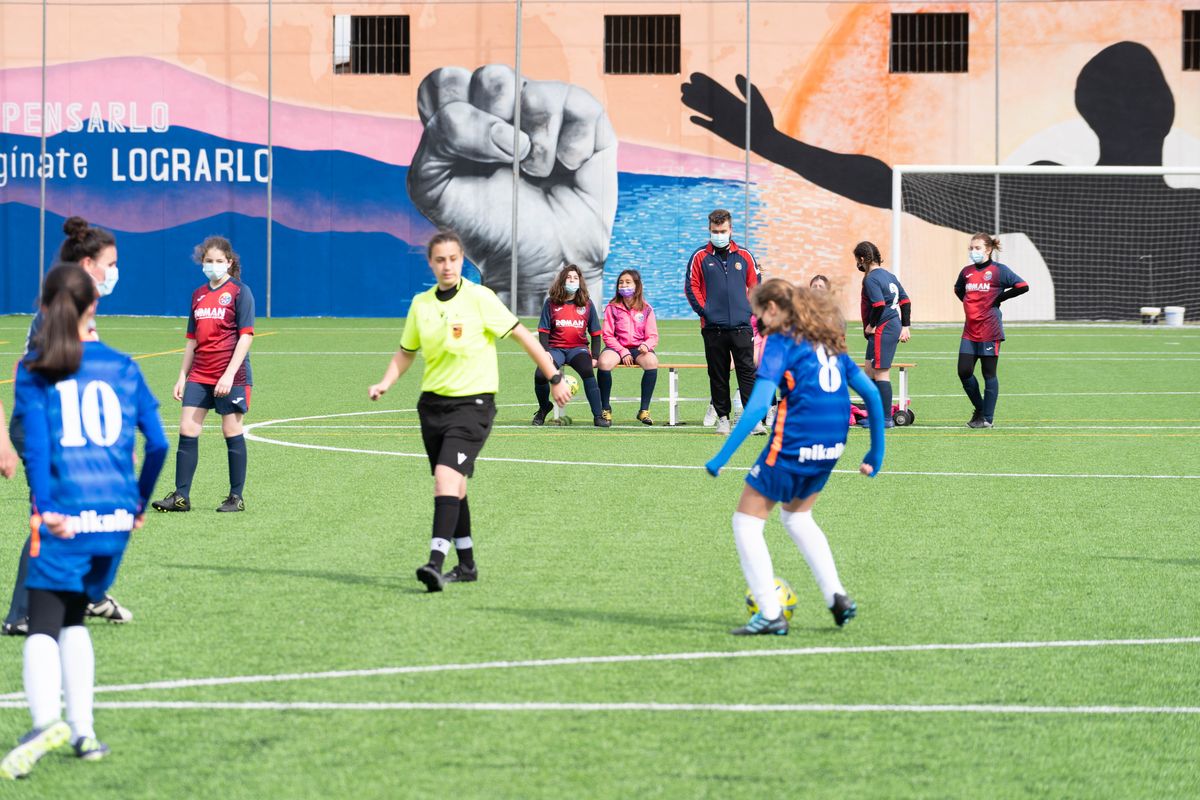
<point>557,379</point>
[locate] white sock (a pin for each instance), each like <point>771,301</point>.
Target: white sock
<point>463,543</point>
<point>756,562</point>
<point>440,544</point>
<point>43,680</point>
<point>811,540</point>
<point>79,679</point>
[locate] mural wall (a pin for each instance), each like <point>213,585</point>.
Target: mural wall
<point>169,122</point>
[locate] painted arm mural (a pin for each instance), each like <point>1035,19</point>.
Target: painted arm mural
<point>461,175</point>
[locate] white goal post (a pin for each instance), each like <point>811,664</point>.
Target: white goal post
<point>1098,242</point>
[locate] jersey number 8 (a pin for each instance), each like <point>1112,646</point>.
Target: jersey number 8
<point>830,377</point>
<point>80,417</point>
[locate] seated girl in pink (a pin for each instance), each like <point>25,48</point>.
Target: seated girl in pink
<point>630,334</point>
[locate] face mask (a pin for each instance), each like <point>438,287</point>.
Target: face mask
<point>978,256</point>
<point>214,272</point>
<point>106,286</point>
<point>571,288</point>
<point>862,267</point>
<point>626,291</point>
<point>719,240</point>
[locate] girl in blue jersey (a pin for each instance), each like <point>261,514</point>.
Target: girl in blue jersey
<point>82,404</point>
<point>805,358</point>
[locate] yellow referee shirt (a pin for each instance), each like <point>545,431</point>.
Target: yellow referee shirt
<point>458,337</point>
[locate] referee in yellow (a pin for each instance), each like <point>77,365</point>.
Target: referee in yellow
<point>456,324</point>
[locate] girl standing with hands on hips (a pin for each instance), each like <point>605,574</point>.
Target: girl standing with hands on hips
<point>455,325</point>
<point>982,287</point>
<point>215,372</point>
<point>805,358</point>
<point>630,335</point>
<point>82,404</point>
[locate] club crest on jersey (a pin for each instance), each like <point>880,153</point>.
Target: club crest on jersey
<point>225,299</point>
<point>987,276</point>
<point>738,266</point>
<point>639,316</point>
<point>456,330</point>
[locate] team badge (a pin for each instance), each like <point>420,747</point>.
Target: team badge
<point>738,267</point>
<point>639,316</point>
<point>456,330</point>
<point>987,276</point>
<point>225,299</point>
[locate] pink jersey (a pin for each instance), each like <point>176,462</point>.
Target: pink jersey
<point>625,329</point>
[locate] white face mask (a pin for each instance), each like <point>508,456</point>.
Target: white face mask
<point>719,240</point>
<point>978,256</point>
<point>215,271</point>
<point>105,287</point>
<point>571,288</point>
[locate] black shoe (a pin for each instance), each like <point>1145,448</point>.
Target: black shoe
<point>539,418</point>
<point>173,502</point>
<point>18,628</point>
<point>844,609</point>
<point>232,503</point>
<point>761,626</point>
<point>429,575</point>
<point>602,422</point>
<point>978,421</point>
<point>461,574</point>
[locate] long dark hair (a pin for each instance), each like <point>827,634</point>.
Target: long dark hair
<point>637,302</point>
<point>83,241</point>
<point>66,295</point>
<point>558,294</point>
<point>222,244</point>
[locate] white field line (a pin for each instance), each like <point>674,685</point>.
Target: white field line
<point>700,429</point>
<point>187,683</point>
<point>725,708</point>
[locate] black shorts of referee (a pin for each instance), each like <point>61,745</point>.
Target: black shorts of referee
<point>455,429</point>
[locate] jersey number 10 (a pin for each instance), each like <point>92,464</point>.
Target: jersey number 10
<point>97,413</point>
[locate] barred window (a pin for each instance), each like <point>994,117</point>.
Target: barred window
<point>929,42</point>
<point>374,45</point>
<point>641,44</point>
<point>1191,41</point>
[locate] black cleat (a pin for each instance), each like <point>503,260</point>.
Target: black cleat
<point>18,628</point>
<point>539,417</point>
<point>429,575</point>
<point>461,574</point>
<point>602,421</point>
<point>844,609</point>
<point>173,502</point>
<point>232,503</point>
<point>761,626</point>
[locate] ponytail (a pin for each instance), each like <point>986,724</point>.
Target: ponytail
<point>66,295</point>
<point>992,242</point>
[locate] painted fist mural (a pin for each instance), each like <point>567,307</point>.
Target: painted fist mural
<point>461,176</point>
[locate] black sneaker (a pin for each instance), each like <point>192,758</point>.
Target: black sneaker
<point>844,609</point>
<point>18,628</point>
<point>602,421</point>
<point>761,626</point>
<point>232,503</point>
<point>173,502</point>
<point>429,575</point>
<point>979,422</point>
<point>461,574</point>
<point>539,417</point>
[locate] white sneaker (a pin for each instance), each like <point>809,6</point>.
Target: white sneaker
<point>723,426</point>
<point>737,402</point>
<point>759,430</point>
<point>770,421</point>
<point>710,416</point>
<point>109,609</point>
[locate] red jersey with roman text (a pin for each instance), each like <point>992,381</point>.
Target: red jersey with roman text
<point>219,316</point>
<point>981,286</point>
<point>569,325</point>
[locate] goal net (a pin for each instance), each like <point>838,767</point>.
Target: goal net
<point>1094,243</point>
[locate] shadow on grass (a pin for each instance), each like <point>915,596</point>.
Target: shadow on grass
<point>349,578</point>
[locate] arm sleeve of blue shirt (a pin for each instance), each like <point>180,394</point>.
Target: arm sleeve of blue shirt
<point>245,309</point>
<point>150,424</point>
<point>860,383</point>
<point>31,401</point>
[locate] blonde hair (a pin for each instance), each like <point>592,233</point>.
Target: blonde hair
<point>805,314</point>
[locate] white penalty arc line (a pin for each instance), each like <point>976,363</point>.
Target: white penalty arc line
<point>251,436</point>
<point>186,683</point>
<point>721,708</point>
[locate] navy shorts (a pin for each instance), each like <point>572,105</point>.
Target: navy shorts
<point>70,571</point>
<point>881,346</point>
<point>200,395</point>
<point>561,356</point>
<point>981,349</point>
<point>455,429</point>
<point>784,486</point>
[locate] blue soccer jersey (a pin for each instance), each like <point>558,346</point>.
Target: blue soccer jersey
<point>881,288</point>
<point>79,446</point>
<point>810,426</point>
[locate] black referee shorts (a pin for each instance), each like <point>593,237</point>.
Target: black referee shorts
<point>455,428</point>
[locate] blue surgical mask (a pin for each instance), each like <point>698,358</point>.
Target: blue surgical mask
<point>105,287</point>
<point>719,240</point>
<point>978,256</point>
<point>571,288</point>
<point>214,272</point>
<point>626,291</point>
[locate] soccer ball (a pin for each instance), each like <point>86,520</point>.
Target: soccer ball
<point>572,383</point>
<point>785,593</point>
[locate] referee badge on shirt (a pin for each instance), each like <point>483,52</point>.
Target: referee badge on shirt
<point>456,330</point>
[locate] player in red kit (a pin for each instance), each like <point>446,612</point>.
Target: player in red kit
<point>215,372</point>
<point>982,287</point>
<point>568,321</point>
